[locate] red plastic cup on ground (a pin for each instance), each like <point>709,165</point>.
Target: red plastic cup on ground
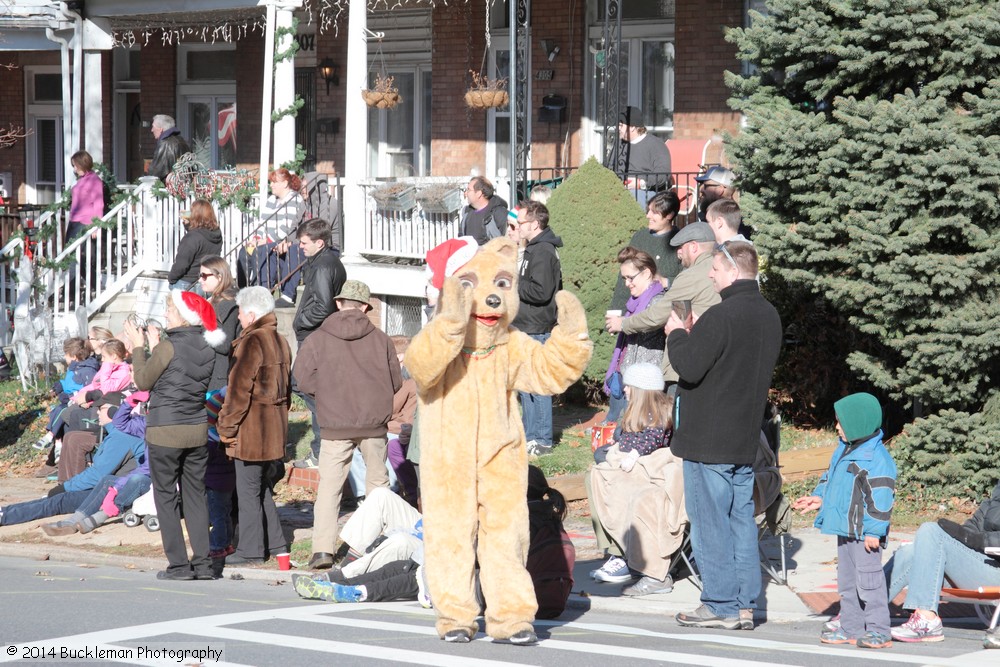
<point>284,561</point>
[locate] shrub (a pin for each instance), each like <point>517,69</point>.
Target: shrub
<point>595,216</point>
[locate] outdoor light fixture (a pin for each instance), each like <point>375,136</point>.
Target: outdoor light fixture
<point>330,71</point>
<point>551,49</point>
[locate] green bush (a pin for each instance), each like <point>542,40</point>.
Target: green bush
<point>950,453</point>
<point>595,216</point>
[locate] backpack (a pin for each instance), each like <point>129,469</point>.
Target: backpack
<point>551,557</point>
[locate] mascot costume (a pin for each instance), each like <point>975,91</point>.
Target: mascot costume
<point>468,363</point>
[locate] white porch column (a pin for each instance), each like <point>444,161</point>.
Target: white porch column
<point>266,103</point>
<point>96,37</point>
<point>355,130</point>
<point>284,86</point>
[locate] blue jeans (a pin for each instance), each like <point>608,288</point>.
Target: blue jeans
<point>220,515</point>
<point>63,503</point>
<point>310,402</point>
<point>356,475</point>
<point>923,565</point>
<point>135,486</point>
<point>719,501</point>
<point>536,411</point>
<point>616,408</point>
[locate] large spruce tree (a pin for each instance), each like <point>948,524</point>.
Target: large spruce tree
<point>870,165</point>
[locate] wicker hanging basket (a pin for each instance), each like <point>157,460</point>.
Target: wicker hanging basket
<point>486,99</point>
<point>381,100</point>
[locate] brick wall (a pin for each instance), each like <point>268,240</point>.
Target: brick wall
<point>158,69</point>
<point>249,96</point>
<point>12,159</point>
<point>702,55</point>
<point>330,147</point>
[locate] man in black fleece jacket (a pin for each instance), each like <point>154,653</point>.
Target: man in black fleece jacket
<point>725,365</point>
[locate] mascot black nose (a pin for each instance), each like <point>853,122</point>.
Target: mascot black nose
<point>493,301</point>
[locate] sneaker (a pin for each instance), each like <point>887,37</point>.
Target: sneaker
<point>311,589</point>
<point>422,596</point>
<point>308,462</point>
<point>919,629</point>
<point>992,638</point>
<point>536,448</point>
<point>833,624</point>
<point>617,576</point>
<point>836,637</point>
<point>43,442</point>
<point>649,586</point>
<point>702,617</point>
<point>45,470</point>
<point>872,639</point>
<point>60,528</point>
<point>746,619</point>
<point>614,563</point>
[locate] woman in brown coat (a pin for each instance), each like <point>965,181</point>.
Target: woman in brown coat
<point>253,424</point>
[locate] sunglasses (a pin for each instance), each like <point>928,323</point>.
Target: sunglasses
<point>729,257</point>
<point>206,276</point>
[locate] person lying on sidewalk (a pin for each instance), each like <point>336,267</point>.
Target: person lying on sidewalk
<point>111,497</point>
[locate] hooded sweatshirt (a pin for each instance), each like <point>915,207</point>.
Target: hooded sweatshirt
<point>539,278</point>
<point>350,368</point>
<point>487,223</point>
<point>858,490</point>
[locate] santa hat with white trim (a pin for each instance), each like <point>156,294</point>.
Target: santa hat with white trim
<point>196,311</point>
<point>446,259</point>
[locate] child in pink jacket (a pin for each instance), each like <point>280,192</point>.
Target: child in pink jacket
<point>115,375</point>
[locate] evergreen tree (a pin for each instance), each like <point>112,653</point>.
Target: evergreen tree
<point>595,216</point>
<point>870,167</point>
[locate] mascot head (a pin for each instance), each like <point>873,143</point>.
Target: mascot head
<point>491,276</point>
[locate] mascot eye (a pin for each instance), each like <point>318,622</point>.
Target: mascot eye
<point>502,283</point>
<point>467,283</point>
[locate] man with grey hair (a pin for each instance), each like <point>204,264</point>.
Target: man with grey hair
<point>253,424</point>
<point>170,145</point>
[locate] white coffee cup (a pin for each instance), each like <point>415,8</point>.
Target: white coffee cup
<point>613,313</point>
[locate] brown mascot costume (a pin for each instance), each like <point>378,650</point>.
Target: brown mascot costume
<point>468,364</point>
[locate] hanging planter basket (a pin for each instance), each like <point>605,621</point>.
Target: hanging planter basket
<point>395,197</point>
<point>440,198</point>
<point>486,99</point>
<point>381,99</point>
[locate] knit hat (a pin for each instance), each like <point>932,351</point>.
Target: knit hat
<point>631,116</point>
<point>196,311</point>
<point>446,259</point>
<point>643,376</point>
<point>113,399</point>
<point>860,415</point>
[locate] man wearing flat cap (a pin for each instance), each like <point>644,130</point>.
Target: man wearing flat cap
<point>350,369</point>
<point>644,159</point>
<point>694,244</point>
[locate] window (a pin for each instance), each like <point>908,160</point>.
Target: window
<point>641,9</point>
<point>45,176</point>
<point>399,138</point>
<point>207,102</point>
<point>498,129</point>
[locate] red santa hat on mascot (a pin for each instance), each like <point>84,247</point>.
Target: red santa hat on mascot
<point>446,259</point>
<point>196,311</point>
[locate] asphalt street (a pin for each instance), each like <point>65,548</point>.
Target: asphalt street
<point>67,613</point>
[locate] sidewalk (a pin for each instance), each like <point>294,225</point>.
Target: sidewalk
<point>811,565</point>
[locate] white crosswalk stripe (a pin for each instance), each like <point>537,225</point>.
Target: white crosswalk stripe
<point>566,637</point>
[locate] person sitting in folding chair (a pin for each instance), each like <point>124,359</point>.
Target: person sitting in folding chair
<point>637,490</point>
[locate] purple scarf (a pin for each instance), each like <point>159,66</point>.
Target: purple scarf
<point>635,304</point>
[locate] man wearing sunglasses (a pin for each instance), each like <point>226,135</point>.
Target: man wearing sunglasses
<point>725,365</point>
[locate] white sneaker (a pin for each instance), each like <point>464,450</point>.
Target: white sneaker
<point>422,597</point>
<point>611,571</point>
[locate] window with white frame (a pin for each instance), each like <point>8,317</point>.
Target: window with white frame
<point>206,115</point>
<point>45,176</point>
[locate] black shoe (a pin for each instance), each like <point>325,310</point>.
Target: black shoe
<point>457,637</point>
<point>175,574</point>
<point>235,559</point>
<point>208,574</point>
<point>320,561</point>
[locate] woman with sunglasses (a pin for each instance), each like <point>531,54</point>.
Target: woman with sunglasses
<point>661,217</point>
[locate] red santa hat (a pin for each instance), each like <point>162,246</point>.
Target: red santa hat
<point>198,312</point>
<point>447,258</point>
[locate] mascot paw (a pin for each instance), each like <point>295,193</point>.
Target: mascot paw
<point>572,317</point>
<point>455,304</point>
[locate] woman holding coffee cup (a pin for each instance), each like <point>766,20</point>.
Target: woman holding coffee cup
<point>639,274</point>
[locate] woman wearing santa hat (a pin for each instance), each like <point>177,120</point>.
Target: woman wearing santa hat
<point>176,371</point>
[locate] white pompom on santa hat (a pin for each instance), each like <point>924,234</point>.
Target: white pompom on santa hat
<point>196,311</point>
<point>446,259</point>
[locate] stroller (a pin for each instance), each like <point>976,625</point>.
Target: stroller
<point>143,511</point>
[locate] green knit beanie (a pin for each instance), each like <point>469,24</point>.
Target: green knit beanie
<point>859,414</point>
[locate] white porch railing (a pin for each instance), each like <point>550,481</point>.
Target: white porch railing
<point>406,234</point>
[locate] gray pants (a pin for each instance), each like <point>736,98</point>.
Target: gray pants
<point>864,601</point>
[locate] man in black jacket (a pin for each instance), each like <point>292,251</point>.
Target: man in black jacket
<point>725,365</point>
<point>539,278</point>
<point>485,218</point>
<point>323,277</point>
<point>170,145</point>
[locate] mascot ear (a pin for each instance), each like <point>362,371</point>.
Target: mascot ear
<point>504,247</point>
